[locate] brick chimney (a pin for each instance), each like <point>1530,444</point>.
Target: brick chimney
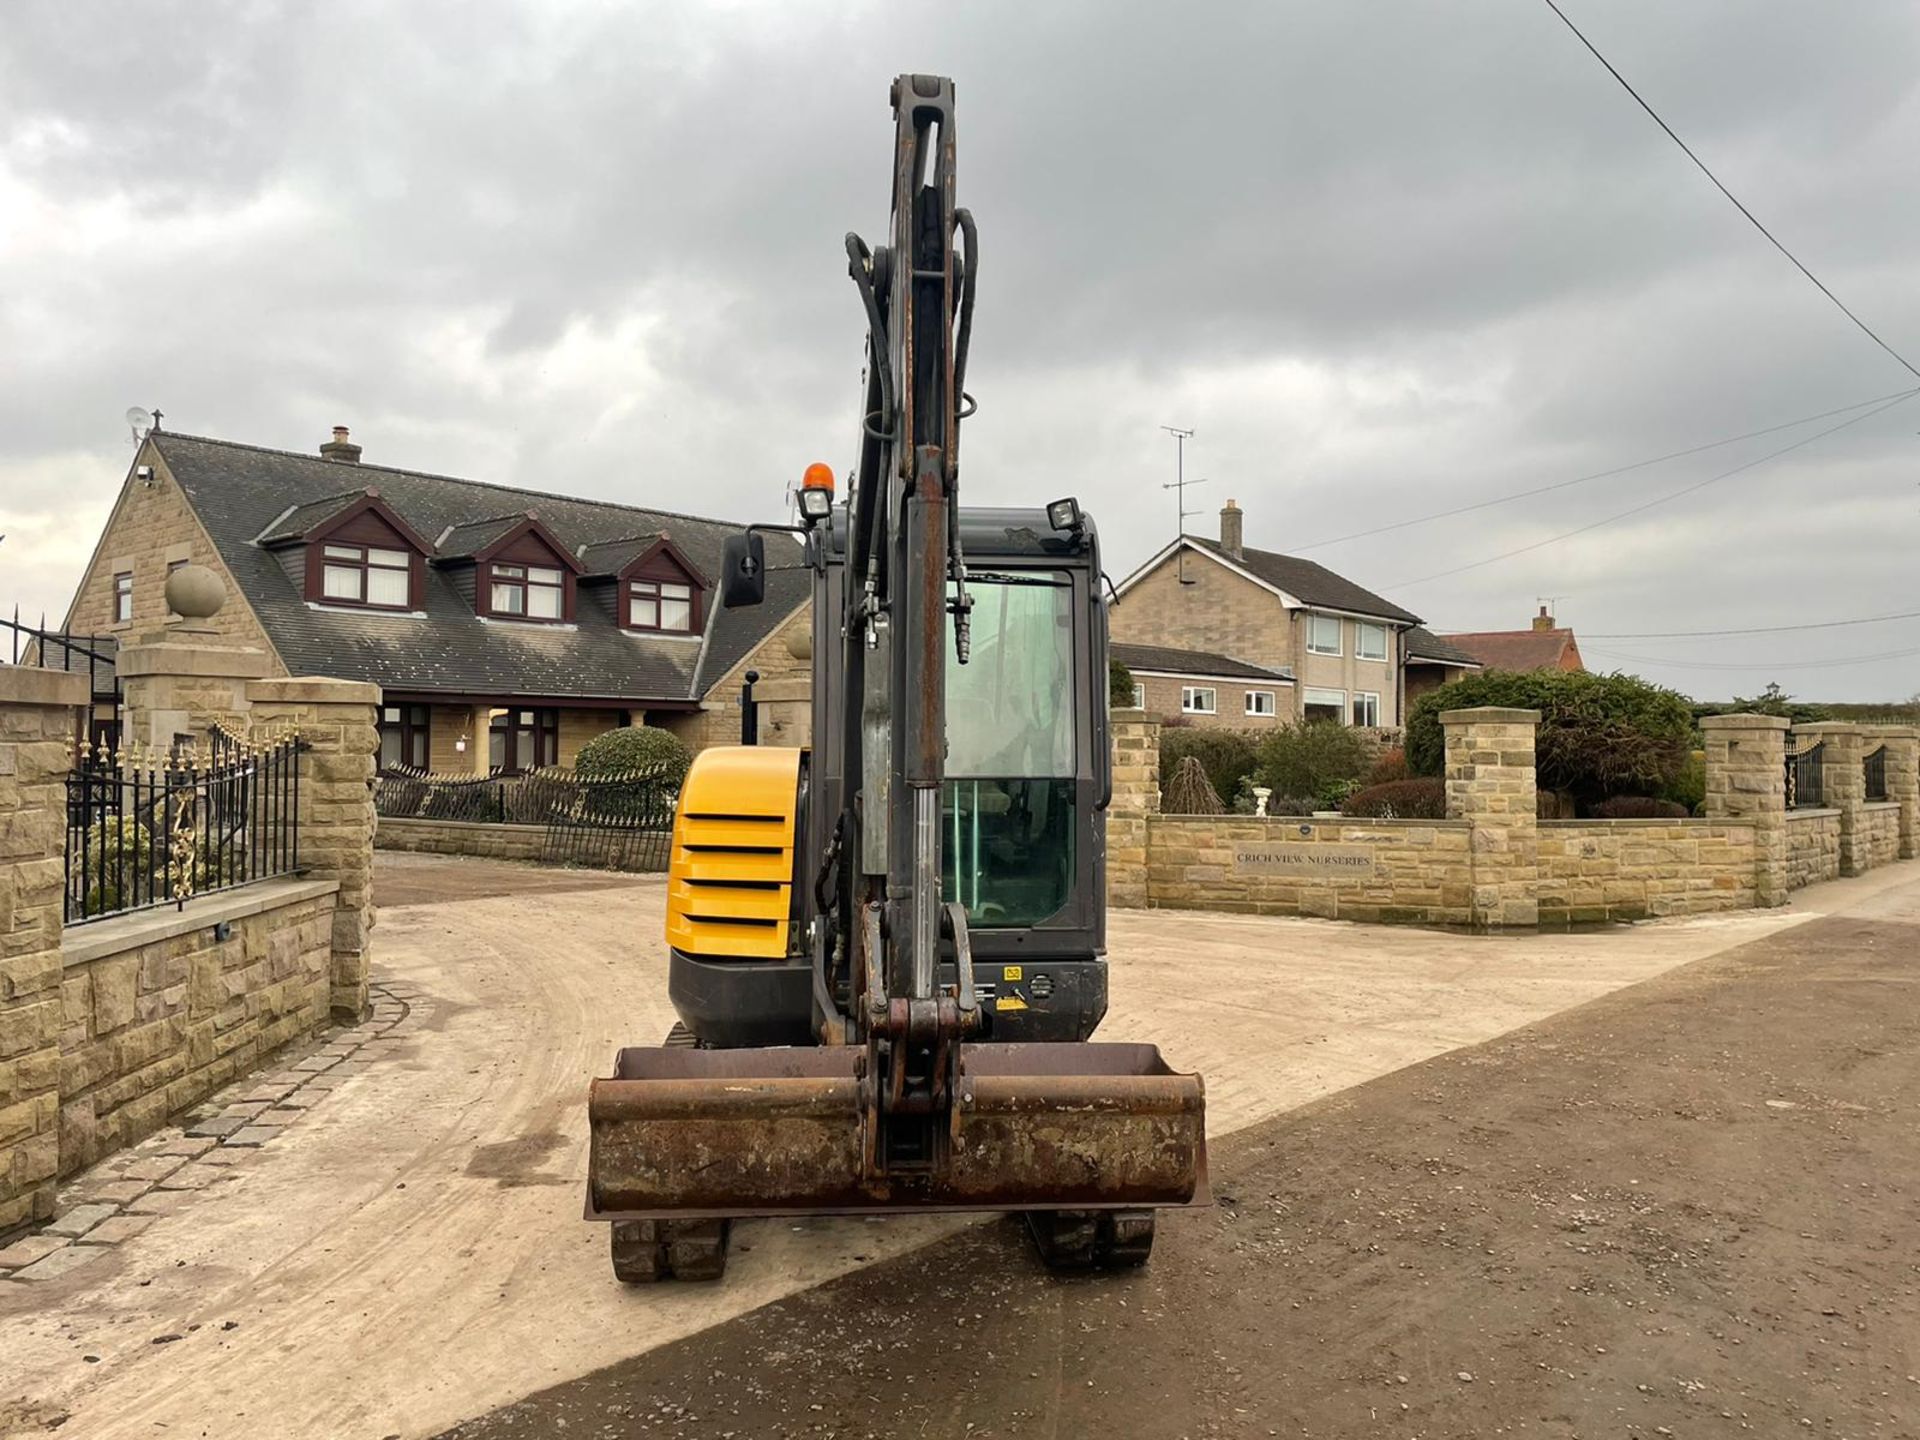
<point>1544,620</point>
<point>1231,530</point>
<point>340,448</point>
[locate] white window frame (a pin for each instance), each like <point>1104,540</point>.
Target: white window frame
<point>1313,621</point>
<point>1372,697</point>
<point>1139,696</point>
<point>123,597</point>
<point>1272,705</point>
<point>1307,699</point>
<point>1189,700</point>
<point>1361,630</point>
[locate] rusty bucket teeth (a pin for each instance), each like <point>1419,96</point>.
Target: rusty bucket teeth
<point>682,1133</point>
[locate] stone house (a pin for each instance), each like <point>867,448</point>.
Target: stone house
<point>1206,687</point>
<point>1430,662</point>
<point>1339,646</point>
<point>1545,645</point>
<point>505,627</point>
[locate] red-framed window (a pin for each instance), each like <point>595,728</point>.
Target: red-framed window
<point>403,736</point>
<point>660,605</point>
<point>523,739</point>
<point>368,575</point>
<point>527,592</point>
<point>123,596</point>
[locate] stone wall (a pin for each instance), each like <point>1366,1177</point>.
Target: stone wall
<point>1813,847</point>
<point>1635,869</point>
<point>1493,862</point>
<point>462,837</point>
<point>1136,800</point>
<point>1880,833</point>
<point>159,1010</point>
<point>39,711</point>
<point>1418,871</point>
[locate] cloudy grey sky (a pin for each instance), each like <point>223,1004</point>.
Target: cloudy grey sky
<point>1385,259</point>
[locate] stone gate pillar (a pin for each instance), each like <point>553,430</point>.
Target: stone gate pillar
<point>1843,778</point>
<point>338,720</point>
<point>1747,780</point>
<point>1903,778</point>
<point>1491,784</point>
<point>1136,795</point>
<point>186,677</point>
<point>39,714</point>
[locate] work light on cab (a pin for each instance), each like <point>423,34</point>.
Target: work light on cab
<point>816,493</point>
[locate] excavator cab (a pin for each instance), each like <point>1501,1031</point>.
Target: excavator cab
<point>887,951</point>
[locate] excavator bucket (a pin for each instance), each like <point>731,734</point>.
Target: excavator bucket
<point>680,1133</point>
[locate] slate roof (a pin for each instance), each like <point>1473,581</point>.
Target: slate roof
<point>1194,662</point>
<point>1307,582</point>
<point>298,520</point>
<point>1521,649</point>
<point>1420,643</point>
<point>239,490</point>
<point>464,541</point>
<point>610,557</point>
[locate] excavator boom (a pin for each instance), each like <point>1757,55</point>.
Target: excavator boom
<point>853,1053</point>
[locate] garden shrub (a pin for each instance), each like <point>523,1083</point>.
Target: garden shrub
<point>1189,792</point>
<point>1689,787</point>
<point>1418,799</point>
<point>635,748</point>
<point>119,852</point>
<point>1599,735</point>
<point>1119,686</point>
<point>1226,755</point>
<point>1321,759</point>
<point>1638,807</point>
<point>1390,765</point>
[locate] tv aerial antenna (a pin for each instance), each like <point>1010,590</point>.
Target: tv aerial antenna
<point>1179,485</point>
<point>141,422</point>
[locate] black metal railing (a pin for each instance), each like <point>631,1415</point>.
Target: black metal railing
<point>148,830</point>
<point>1806,778</point>
<point>622,821</point>
<point>94,656</point>
<point>1875,765</point>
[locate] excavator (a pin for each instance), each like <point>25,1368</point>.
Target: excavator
<point>887,950</point>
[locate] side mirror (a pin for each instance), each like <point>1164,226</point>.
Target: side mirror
<point>743,571</point>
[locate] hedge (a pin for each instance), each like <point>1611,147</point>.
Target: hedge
<point>1599,735</point>
<point>634,747</point>
<point>1422,799</point>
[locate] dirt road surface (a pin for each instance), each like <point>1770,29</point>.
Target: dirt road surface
<point>1691,1208</point>
<point>412,1255</point>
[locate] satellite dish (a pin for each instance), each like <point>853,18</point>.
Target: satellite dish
<point>139,422</point>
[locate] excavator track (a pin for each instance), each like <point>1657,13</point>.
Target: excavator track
<point>648,1251</point>
<point>1074,1241</point>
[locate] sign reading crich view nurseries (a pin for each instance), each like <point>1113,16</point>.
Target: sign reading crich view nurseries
<point>1304,859</point>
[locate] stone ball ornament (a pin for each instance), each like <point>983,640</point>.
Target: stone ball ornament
<point>195,592</point>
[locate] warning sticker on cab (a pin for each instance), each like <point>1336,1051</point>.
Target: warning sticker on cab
<point>1006,1004</point>
<point>1012,972</point>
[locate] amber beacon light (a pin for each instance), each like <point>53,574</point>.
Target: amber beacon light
<point>816,492</point>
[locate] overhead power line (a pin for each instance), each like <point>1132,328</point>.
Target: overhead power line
<point>1601,474</point>
<point>1660,500</point>
<point>1823,663</point>
<point>1865,329</point>
<point>1752,629</point>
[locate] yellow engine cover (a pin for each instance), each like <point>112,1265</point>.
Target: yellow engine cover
<point>730,882</point>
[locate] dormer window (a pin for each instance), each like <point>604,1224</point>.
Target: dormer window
<point>351,549</point>
<point>537,592</point>
<point>366,575</point>
<point>659,605</point>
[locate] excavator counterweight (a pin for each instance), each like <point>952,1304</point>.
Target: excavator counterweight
<point>887,949</point>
